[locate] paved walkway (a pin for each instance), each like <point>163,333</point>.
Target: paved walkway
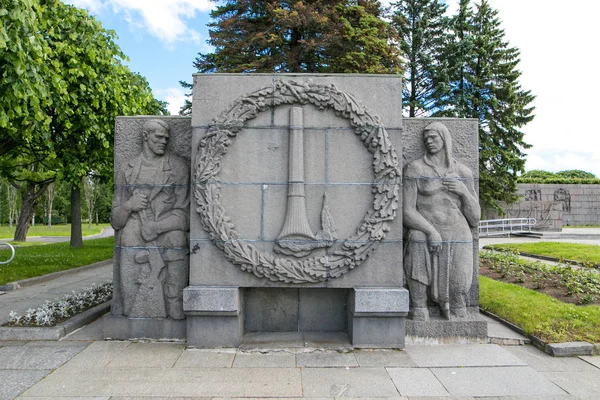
<point>82,365</point>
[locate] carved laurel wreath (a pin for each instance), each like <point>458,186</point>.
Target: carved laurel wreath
<point>218,224</point>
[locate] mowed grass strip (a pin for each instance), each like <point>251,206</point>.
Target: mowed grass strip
<point>583,253</point>
<point>40,260</point>
<point>54,230</point>
<point>538,314</point>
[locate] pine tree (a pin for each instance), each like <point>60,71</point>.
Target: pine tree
<point>484,84</point>
<point>325,36</point>
<point>423,31</point>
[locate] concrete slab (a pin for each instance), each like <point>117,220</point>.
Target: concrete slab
<point>13,382</point>
<point>326,359</point>
<point>264,360</point>
<point>93,331</point>
<point>351,382</point>
<point>272,340</point>
<point>148,355</point>
<point>543,362</point>
<point>97,355</point>
<point>327,340</point>
<point>383,358</point>
<point>496,381</point>
<point>171,382</point>
<point>199,358</point>
<point>594,360</point>
<point>501,334</point>
<point>456,355</point>
<point>416,382</point>
<point>33,357</point>
<point>581,384</point>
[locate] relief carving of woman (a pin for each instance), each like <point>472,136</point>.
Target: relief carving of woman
<point>440,207</point>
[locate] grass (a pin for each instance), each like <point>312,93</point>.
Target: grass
<point>583,253</point>
<point>538,314</point>
<point>40,260</point>
<point>54,230</point>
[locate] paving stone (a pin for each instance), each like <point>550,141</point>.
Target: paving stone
<point>416,382</point>
<point>542,362</point>
<point>97,355</point>
<point>457,355</point>
<point>272,340</point>
<point>347,382</point>
<point>496,381</point>
<point>581,384</point>
<point>154,398</point>
<point>265,360</point>
<point>594,360</point>
<point>65,398</point>
<point>197,358</point>
<point>326,359</point>
<point>47,356</point>
<point>172,382</point>
<point>92,331</point>
<point>148,355</point>
<point>383,358</point>
<point>327,340</point>
<point>13,382</point>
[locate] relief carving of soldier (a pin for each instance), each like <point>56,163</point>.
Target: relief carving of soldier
<point>440,208</point>
<point>151,218</point>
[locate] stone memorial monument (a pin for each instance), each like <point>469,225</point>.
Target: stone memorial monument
<point>291,192</point>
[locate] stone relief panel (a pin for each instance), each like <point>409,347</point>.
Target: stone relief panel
<point>533,195</point>
<point>564,197</point>
<point>297,238</point>
<point>441,209</point>
<point>150,216</point>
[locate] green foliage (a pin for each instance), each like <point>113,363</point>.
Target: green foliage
<point>537,174</point>
<point>538,314</point>
<point>572,176</point>
<point>326,36</point>
<point>423,30</point>
<point>484,84</point>
<point>581,253</point>
<point>40,260</point>
<point>581,283</point>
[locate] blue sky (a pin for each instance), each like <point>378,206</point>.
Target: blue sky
<point>162,38</point>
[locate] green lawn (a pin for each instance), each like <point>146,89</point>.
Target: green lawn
<point>584,253</point>
<point>54,230</point>
<point>39,260</point>
<point>539,314</point>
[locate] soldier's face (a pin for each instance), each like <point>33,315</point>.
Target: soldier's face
<point>157,138</point>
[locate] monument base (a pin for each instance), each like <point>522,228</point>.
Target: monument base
<point>123,328</point>
<point>473,328</point>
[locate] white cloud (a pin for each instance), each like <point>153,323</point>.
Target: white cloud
<point>164,19</point>
<point>174,96</point>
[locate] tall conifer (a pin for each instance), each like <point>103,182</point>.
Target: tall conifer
<point>484,84</point>
<point>423,31</point>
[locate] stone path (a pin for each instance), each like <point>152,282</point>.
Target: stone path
<point>123,369</point>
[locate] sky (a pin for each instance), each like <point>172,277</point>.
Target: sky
<point>162,39</point>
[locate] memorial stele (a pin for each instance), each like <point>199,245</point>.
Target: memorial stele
<point>297,203</point>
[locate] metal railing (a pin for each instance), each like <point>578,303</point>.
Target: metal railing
<point>491,227</point>
<point>12,251</point>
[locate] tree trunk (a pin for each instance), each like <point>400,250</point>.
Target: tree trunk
<point>76,235</point>
<point>28,203</point>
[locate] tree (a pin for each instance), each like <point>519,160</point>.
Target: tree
<point>484,84</point>
<point>323,36</point>
<point>24,69</point>
<point>423,30</point>
<point>575,173</point>
<point>538,174</point>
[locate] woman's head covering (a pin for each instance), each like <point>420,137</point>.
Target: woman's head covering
<point>444,133</point>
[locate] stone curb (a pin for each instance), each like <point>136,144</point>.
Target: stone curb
<point>54,332</point>
<point>568,349</point>
<point>554,259</point>
<point>48,277</point>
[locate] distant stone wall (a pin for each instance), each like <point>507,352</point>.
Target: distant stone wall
<point>580,204</point>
